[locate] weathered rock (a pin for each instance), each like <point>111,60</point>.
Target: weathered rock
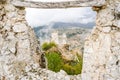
<point>18,43</point>
<point>102,47</point>
<point>20,55</point>
<point>19,28</point>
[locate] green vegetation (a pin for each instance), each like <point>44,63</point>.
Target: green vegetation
<point>56,62</point>
<point>73,67</point>
<point>46,46</point>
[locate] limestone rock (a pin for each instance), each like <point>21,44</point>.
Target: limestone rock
<point>106,29</point>
<point>19,28</point>
<point>101,51</point>
<point>18,43</point>
<point>20,53</point>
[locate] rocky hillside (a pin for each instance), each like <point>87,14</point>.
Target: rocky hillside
<point>75,35</point>
<point>45,30</point>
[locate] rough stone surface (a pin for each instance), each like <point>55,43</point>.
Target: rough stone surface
<point>19,27</point>
<point>20,55</point>
<point>19,50</point>
<point>58,3</point>
<point>102,47</point>
<point>18,44</point>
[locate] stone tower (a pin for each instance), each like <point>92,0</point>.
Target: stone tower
<point>63,39</point>
<point>54,37</point>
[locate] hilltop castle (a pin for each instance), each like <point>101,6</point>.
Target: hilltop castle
<point>58,39</point>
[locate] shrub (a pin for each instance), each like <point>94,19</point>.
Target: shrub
<point>72,70</point>
<point>69,69</point>
<point>54,61</point>
<point>46,46</point>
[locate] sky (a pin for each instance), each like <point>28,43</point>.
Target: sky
<point>38,17</point>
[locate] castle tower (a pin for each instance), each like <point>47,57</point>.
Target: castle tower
<point>54,37</point>
<point>64,39</point>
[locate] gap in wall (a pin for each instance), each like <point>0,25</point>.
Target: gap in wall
<point>62,34</point>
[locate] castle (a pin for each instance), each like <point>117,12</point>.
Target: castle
<point>58,39</point>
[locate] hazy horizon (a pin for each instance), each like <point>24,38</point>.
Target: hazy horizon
<point>38,17</point>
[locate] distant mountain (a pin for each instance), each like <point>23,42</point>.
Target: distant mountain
<point>59,25</point>
<point>41,31</point>
<point>44,32</point>
<point>69,25</point>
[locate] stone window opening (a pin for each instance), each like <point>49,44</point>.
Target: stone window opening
<point>100,47</point>
<point>73,34</point>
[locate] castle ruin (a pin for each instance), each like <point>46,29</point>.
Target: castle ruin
<point>59,39</point>
<point>20,54</point>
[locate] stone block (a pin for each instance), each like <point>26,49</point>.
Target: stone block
<point>20,28</point>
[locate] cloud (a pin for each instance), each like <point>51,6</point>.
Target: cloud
<point>37,17</point>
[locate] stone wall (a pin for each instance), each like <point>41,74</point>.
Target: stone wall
<point>19,49</point>
<point>18,45</point>
<point>20,53</point>
<point>102,47</point>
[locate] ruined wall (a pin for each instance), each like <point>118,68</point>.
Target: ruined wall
<point>20,55</point>
<point>102,47</point>
<point>18,44</point>
<point>19,49</point>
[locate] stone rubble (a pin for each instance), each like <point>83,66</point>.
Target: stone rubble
<point>43,74</point>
